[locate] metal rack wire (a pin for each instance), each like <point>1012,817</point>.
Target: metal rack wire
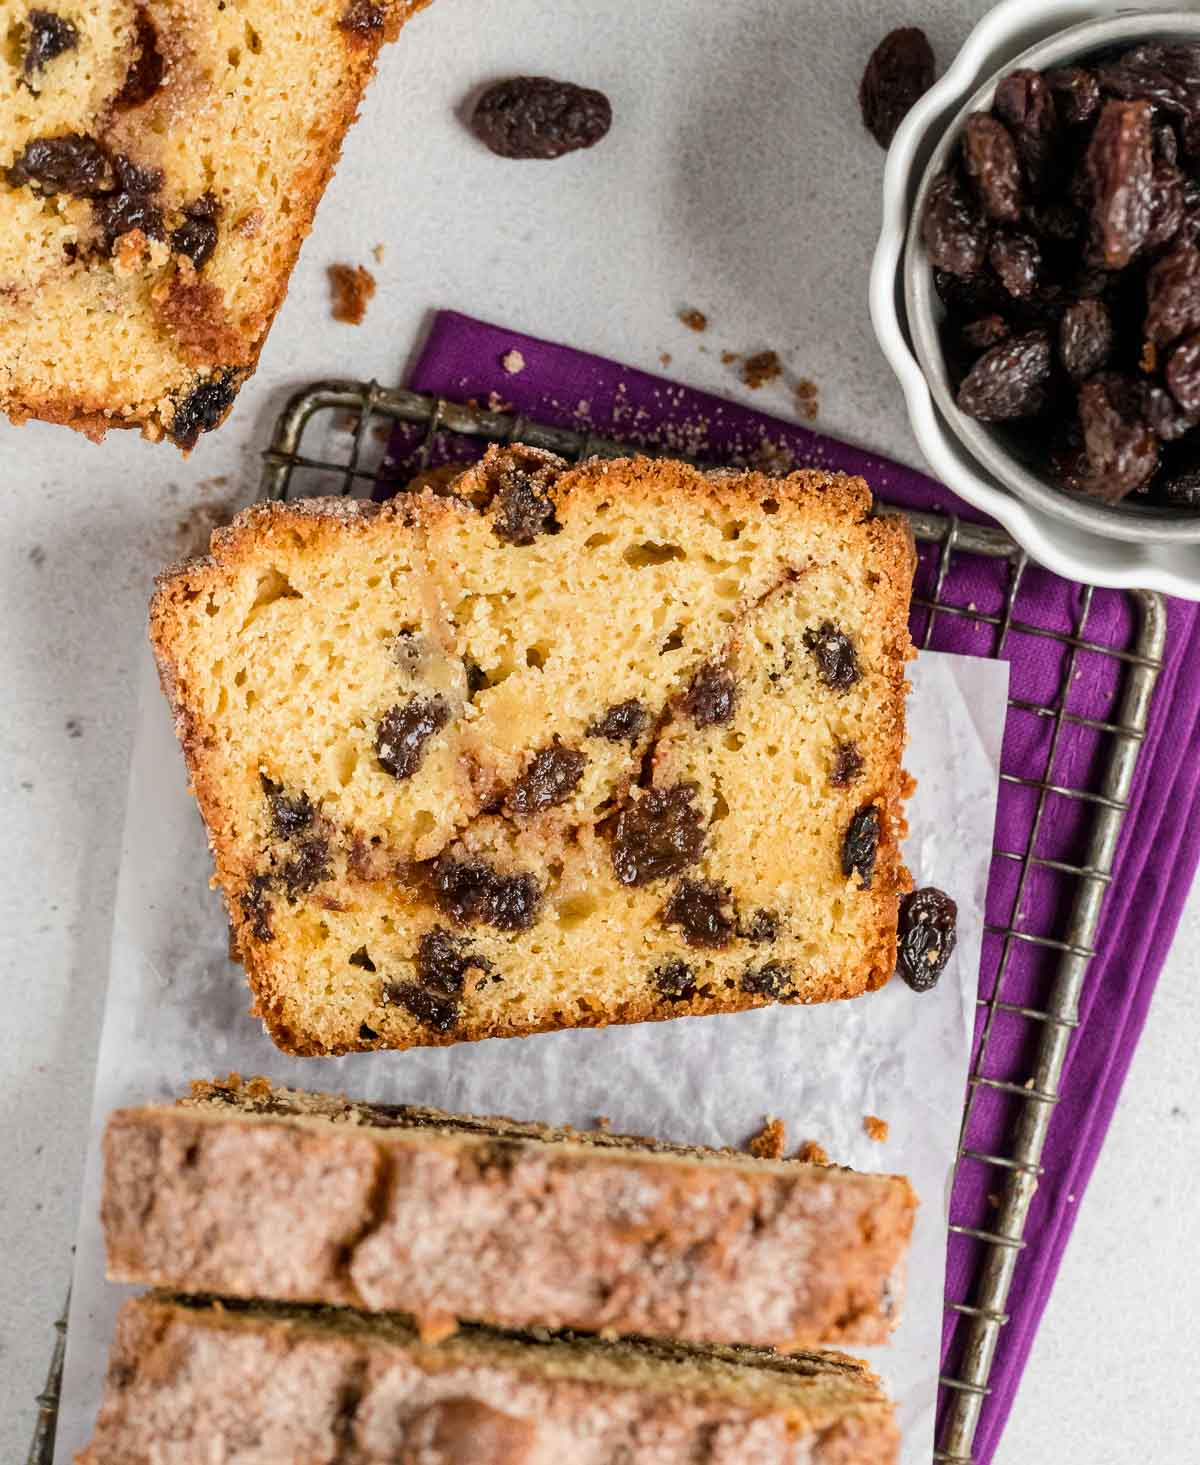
<point>332,437</point>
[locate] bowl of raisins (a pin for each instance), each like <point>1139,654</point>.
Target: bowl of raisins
<point>1037,285</point>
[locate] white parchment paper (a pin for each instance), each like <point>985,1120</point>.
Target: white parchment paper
<point>177,1009</point>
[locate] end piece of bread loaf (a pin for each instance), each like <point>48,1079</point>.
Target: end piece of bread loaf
<point>246,1190</point>
<point>559,747</point>
<point>160,164</point>
<point>261,1384</point>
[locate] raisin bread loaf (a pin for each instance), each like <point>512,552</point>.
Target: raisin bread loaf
<point>160,162</point>
<point>557,747</point>
<point>246,1190</point>
<point>261,1384</point>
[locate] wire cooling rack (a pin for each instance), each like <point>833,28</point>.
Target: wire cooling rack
<point>363,440</point>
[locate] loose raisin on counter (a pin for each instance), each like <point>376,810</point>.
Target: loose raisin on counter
<point>711,695</point>
<point>50,35</point>
<point>550,779</point>
<point>990,162</point>
<point>537,117</point>
<point>834,653</point>
<point>900,71</point>
<point>72,163</point>
<point>1121,449</point>
<point>861,845</point>
<point>1017,260</point>
<point>1010,380</point>
<point>928,934</point>
<point>1024,101</point>
<point>657,835</point>
<point>702,909</point>
<point>403,731</point>
<point>1085,338</point>
<point>1120,165</point>
<point>954,236</point>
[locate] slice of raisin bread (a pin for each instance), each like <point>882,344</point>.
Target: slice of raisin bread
<point>447,1216</point>
<point>558,747</point>
<point>160,162</point>
<point>261,1384</point>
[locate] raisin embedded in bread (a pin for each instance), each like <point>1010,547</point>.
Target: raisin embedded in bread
<point>160,162</point>
<point>556,747</point>
<point>264,1383</point>
<point>449,1216</point>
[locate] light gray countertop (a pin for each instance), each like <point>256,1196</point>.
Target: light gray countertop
<point>736,179</point>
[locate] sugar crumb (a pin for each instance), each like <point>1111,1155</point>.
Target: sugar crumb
<point>513,362</point>
<point>602,1122</point>
<point>807,398</point>
<point>729,357</point>
<point>813,1153</point>
<point>378,250</point>
<point>770,1143</point>
<point>695,320</point>
<point>761,368</point>
<point>875,1128</point>
<point>351,287</point>
<point>665,359</point>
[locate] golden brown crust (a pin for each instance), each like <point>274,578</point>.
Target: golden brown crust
<point>329,1386</point>
<point>529,1226</point>
<point>328,528</point>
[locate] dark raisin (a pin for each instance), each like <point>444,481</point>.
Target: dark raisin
<point>833,651</point>
<point>970,295</point>
<point>761,928</point>
<point>1179,485</point>
<point>955,237</point>
<point>657,835</point>
<point>1168,76</point>
<point>72,164</point>
<point>362,958</point>
<point>49,36</point>
<point>1166,207</point>
<point>196,236</point>
<point>363,18</point>
<point>900,71</point>
<point>367,1034</point>
<point>1183,373</point>
<point>702,909</point>
<point>524,507</point>
<point>132,205</point>
<point>1173,295</point>
<point>1167,419</point>
<point>675,980</point>
<point>1121,449</point>
<point>861,844</point>
<point>1017,260</point>
<point>1165,141</point>
<point>711,694</point>
<point>982,334</point>
<point>1085,338</point>
<point>1120,167</point>
<point>624,722</point>
<point>430,1008</point>
<point>403,731</point>
<point>772,979</point>
<point>145,74</point>
<point>990,162</point>
<point>847,765</point>
<point>927,936</point>
<point>256,907</point>
<point>551,778</point>
<point>477,679</point>
<point>307,867</point>
<point>1055,222</point>
<point>444,961</point>
<point>536,117</point>
<point>1009,380</point>
<point>1076,94</point>
<point>1024,101</point>
<point>203,408</point>
<point>289,814</point>
<point>473,892</point>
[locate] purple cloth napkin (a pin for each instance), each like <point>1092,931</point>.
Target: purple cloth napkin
<point>1160,842</point>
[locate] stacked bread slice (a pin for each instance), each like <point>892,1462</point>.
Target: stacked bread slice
<point>396,1283</point>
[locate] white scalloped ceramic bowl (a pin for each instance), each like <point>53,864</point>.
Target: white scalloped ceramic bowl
<point>1085,541</point>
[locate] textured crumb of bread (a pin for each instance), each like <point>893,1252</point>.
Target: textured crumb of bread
<point>351,288</point>
<point>494,1220</point>
<point>291,1383</point>
<point>875,1128</point>
<point>286,653</point>
<point>770,1143</point>
<point>812,1152</point>
<point>249,111</point>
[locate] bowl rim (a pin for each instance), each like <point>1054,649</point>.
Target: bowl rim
<point>1064,548</point>
<point>1129,521</point>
